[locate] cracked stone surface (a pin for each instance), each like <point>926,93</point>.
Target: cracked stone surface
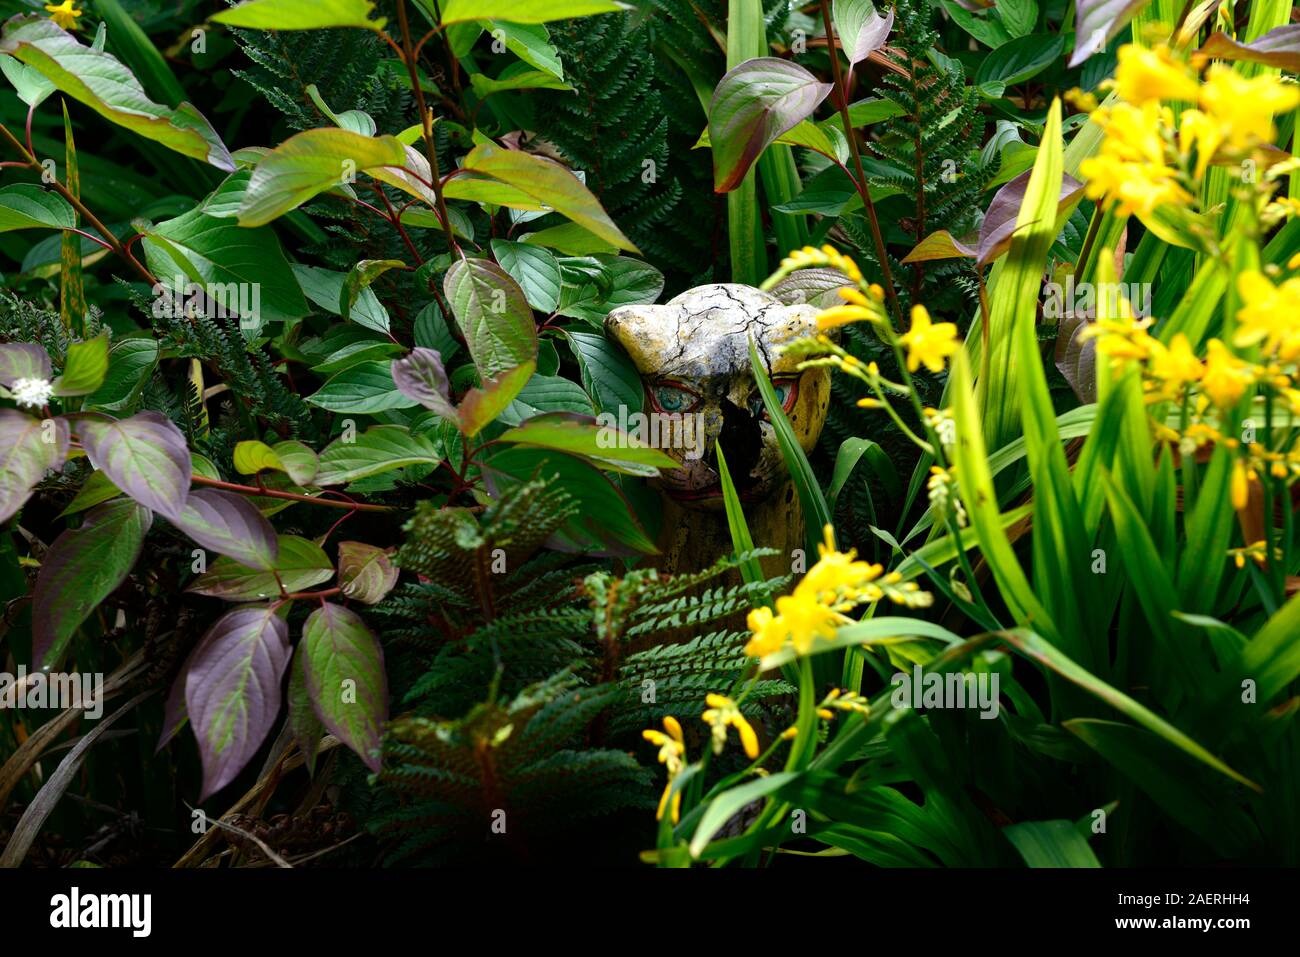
<point>693,356</point>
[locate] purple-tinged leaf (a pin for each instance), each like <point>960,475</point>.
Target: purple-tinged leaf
<point>1000,221</point>
<point>306,726</point>
<point>23,360</point>
<point>860,29</point>
<point>1097,22</point>
<point>421,377</point>
<point>232,689</point>
<point>230,525</point>
<point>299,564</point>
<point>174,714</point>
<point>29,448</point>
<point>939,245</point>
<point>344,670</point>
<point>1278,48</point>
<point>82,568</point>
<point>145,456</point>
<point>366,572</point>
<point>1076,356</point>
<point>752,105</point>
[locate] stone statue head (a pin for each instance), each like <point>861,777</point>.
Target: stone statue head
<point>693,356</point>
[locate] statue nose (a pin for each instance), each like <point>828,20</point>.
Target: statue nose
<point>742,441</point>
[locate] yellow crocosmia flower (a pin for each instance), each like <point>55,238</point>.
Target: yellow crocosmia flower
<point>1226,377</point>
<point>1200,132</point>
<point>1153,74</point>
<point>723,713</point>
<point>672,754</point>
<point>1175,365</point>
<point>64,14</point>
<point>1267,317</point>
<point>928,343</point>
<point>836,572</point>
<point>1240,485</point>
<point>843,315</point>
<point>767,633</point>
<point>1244,107</point>
<point>806,619</point>
<point>1293,262</point>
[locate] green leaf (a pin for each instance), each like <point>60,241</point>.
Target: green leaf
<point>604,523</point>
<point>1097,22</point>
<point>753,105</point>
<point>1051,844</point>
<point>85,368</point>
<point>129,363</point>
<point>243,272</point>
<point>859,28</point>
<point>381,448</point>
<point>484,86</point>
<point>493,316</point>
<point>344,671</point>
<point>531,43</point>
<point>82,568</point>
<point>324,287</point>
<point>1020,59</point>
<point>296,15</point>
<point>96,489</point>
<point>1034,647</point>
<point>607,374</point>
<point>101,82</point>
<point>310,163</point>
<point>25,206</point>
<point>300,564</point>
<point>604,445</point>
<point>525,11</point>
<point>480,406</point>
<point>548,186</point>
<point>358,279</point>
<point>296,459</point>
<point>1019,16</point>
<point>252,456</point>
<point>535,269</point>
<point>364,387</point>
<point>730,802</point>
<point>816,513</point>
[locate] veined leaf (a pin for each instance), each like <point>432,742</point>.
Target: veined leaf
<point>344,671</point>
<point>232,689</point>
<point>26,206</point>
<point>230,525</point>
<point>381,448</point>
<point>493,315</point>
<point>299,564</point>
<point>82,568</point>
<point>145,456</point>
<point>366,572</point>
<point>605,446</point>
<point>100,81</point>
<point>29,447</point>
<point>296,15</point>
<point>85,368</point>
<point>525,11</point>
<point>754,104</point>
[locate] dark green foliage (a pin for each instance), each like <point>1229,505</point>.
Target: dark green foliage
<point>629,125</point>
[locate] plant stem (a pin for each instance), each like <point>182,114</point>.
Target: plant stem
<point>426,124</point>
<point>87,216</point>
<point>290,496</point>
<point>841,93</point>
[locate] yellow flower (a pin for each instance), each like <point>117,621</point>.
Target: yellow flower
<point>1202,132</point>
<point>1153,74</point>
<point>1226,377</point>
<point>860,308</point>
<point>767,634</point>
<point>805,619</point>
<point>723,713</point>
<point>1240,485</point>
<point>672,752</point>
<point>1131,167</point>
<point>1245,107</point>
<point>1268,315</point>
<point>1175,365</point>
<point>928,343</point>
<point>64,14</point>
<point>836,572</point>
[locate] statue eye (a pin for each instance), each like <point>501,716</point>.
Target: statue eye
<point>673,398</point>
<point>787,390</point>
